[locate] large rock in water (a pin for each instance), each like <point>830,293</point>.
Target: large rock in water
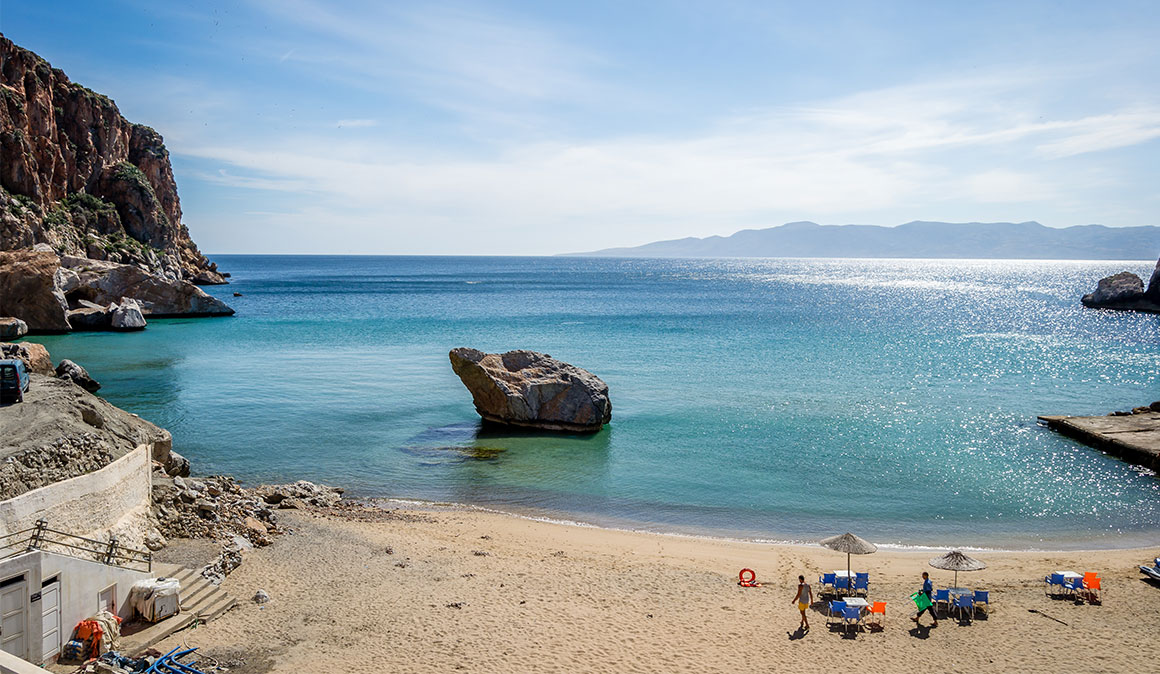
<point>534,390</point>
<point>29,290</point>
<point>127,316</point>
<point>107,282</point>
<point>1126,291</point>
<point>91,318</point>
<point>12,328</point>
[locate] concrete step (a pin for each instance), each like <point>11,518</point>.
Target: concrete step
<point>200,601</point>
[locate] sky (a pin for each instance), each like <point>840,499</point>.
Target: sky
<point>529,128</point>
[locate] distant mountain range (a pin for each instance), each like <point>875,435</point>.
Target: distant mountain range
<point>1002,240</point>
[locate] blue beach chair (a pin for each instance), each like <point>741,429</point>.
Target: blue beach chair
<point>842,583</point>
<point>1073,585</point>
<point>965,605</point>
<point>836,608</point>
<point>1055,580</point>
<point>943,597</point>
<point>983,598</point>
<point>862,584</point>
<point>827,580</point>
<point>852,615</point>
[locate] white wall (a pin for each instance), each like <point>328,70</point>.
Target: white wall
<point>87,505</point>
<point>80,585</point>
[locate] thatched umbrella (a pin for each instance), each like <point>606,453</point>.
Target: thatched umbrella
<point>851,545</point>
<point>957,561</point>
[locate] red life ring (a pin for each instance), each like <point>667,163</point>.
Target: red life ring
<point>751,581</point>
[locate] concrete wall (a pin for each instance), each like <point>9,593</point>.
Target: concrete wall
<point>113,498</point>
<point>87,505</point>
<point>81,583</point>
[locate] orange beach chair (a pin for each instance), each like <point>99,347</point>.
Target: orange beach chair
<point>1091,587</point>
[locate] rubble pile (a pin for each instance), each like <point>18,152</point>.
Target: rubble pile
<point>215,507</point>
<point>219,508</point>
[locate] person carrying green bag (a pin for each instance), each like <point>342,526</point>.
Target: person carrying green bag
<point>924,599</point>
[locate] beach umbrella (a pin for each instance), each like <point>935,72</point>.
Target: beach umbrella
<point>957,561</point>
<point>849,544</point>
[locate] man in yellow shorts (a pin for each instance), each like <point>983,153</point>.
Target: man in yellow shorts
<point>803,599</point>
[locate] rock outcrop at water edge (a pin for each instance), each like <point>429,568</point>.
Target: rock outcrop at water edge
<point>533,390</point>
<point>127,315</point>
<point>51,294</point>
<point>34,355</point>
<point>32,290</point>
<point>12,328</point>
<point>66,369</point>
<point>104,283</point>
<point>1126,291</point>
<point>62,431</point>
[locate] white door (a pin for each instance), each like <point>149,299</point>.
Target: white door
<point>107,600</point>
<point>50,606</point>
<point>13,617</point>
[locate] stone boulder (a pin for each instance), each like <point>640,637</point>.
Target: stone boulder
<point>67,369</point>
<point>12,328</point>
<point>1126,291</point>
<point>1117,288</point>
<point>107,282</point>
<point>206,277</point>
<point>34,355</point>
<point>127,315</point>
<point>91,318</point>
<point>533,390</point>
<point>29,290</point>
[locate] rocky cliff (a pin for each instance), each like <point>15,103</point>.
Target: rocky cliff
<point>78,176</point>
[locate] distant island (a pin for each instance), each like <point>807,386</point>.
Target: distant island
<point>918,239</point>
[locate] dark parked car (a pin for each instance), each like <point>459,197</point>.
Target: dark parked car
<point>14,380</point>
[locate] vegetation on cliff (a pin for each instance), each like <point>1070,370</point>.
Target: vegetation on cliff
<point>79,177</point>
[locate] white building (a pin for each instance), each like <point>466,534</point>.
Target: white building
<point>57,563</point>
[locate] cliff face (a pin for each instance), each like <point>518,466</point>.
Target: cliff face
<point>78,176</point>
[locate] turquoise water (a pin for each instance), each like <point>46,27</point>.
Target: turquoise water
<point>778,399</point>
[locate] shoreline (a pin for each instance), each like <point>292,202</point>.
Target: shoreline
<point>414,504</point>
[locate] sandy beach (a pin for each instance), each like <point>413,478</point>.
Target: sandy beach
<point>463,590</point>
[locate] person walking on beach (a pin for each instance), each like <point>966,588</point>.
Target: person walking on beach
<point>803,599</point>
<point>928,590</point>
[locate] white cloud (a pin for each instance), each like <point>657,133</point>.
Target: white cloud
<point>862,153</point>
<point>506,161</point>
<point>1105,132</point>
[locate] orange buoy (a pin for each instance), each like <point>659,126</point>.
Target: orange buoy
<point>751,581</point>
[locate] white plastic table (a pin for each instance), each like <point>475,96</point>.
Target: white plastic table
<point>857,601</point>
<point>1070,575</point>
<point>959,591</point>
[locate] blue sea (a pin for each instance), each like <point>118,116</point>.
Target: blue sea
<point>769,399</point>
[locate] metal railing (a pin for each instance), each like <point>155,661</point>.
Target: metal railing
<point>41,537</point>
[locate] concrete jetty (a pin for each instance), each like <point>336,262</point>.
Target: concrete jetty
<point>1135,438</point>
